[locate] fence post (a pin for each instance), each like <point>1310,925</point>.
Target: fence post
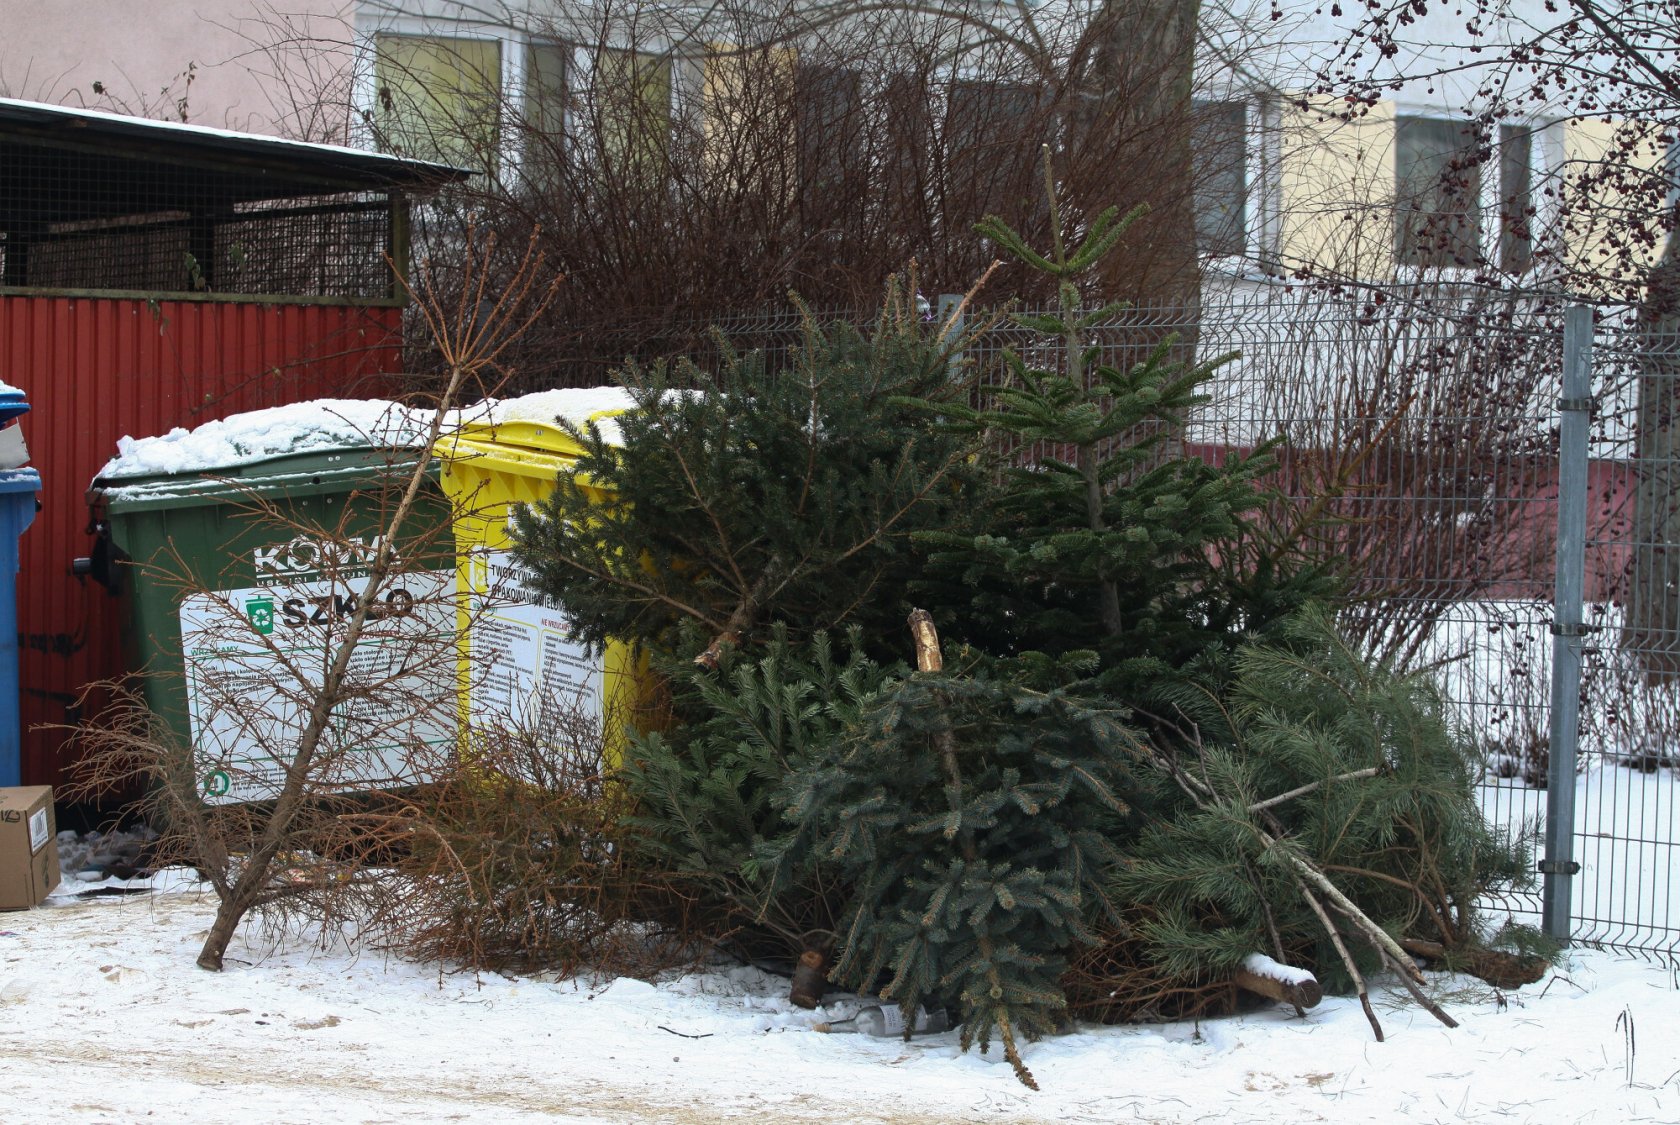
<point>1568,628</point>
<point>949,314</point>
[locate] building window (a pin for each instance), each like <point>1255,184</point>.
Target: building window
<point>439,98</point>
<point>543,110</point>
<point>633,104</point>
<point>546,64</point>
<point>1516,198</point>
<point>1438,186</point>
<point>992,139</point>
<point>1446,179</point>
<point>830,132</point>
<point>1220,167</point>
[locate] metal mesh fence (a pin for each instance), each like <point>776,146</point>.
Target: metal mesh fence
<point>84,220</point>
<point>1625,815</point>
<point>1417,433</point>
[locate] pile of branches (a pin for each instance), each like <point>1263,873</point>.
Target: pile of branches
<point>1145,766</point>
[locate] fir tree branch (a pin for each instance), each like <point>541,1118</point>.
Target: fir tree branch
<point>1375,933</point>
<point>1395,880</point>
<point>1423,1000</point>
<point>612,578</point>
<point>929,660</point>
<point>742,616</point>
<point>911,504</point>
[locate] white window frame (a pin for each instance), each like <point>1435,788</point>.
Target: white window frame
<point>1262,157</point>
<point>364,94</point>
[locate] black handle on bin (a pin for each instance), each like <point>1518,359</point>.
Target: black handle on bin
<point>102,566</point>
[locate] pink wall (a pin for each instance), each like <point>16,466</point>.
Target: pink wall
<point>261,67</point>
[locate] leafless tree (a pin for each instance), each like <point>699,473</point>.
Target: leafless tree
<point>292,725</point>
<point>1614,68</point>
<point>690,164</point>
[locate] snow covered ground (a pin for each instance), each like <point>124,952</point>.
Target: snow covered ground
<point>105,1018</point>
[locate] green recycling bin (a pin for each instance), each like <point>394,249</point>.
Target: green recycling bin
<point>247,547</point>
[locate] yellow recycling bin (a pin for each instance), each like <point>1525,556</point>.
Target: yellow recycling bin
<point>522,668</point>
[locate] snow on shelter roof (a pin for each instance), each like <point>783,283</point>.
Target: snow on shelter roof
<point>272,167</point>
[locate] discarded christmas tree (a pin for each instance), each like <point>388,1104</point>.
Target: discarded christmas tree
<point>768,492</point>
<point>1319,808</point>
<point>713,791</point>
<point>1114,542</point>
<point>975,818</point>
<point>740,516</point>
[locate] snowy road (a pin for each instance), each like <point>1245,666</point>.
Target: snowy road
<point>105,1018</point>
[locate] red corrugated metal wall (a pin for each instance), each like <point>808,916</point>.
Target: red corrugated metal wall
<point>96,369</point>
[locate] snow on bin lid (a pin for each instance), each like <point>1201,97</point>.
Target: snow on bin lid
<point>246,439</point>
<point>577,405</point>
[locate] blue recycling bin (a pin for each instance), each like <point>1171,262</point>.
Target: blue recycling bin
<point>18,490</point>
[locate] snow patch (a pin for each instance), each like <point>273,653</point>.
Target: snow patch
<point>576,405</point>
<point>245,439</point>
<point>1263,966</point>
<point>87,979</point>
<point>325,425</point>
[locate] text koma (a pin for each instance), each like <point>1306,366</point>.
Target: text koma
<point>306,555</point>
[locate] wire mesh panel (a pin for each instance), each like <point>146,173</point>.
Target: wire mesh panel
<point>1626,821</point>
<point>84,218</point>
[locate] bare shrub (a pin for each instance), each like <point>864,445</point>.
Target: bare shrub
<point>1418,450</point>
<point>314,879</point>
<point>514,857</point>
<point>688,165</point>
<point>294,726</point>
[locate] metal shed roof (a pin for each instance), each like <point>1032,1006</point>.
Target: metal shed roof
<point>128,153</point>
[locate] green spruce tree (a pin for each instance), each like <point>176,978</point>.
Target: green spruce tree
<point>975,819</point>
<point>712,792</point>
<point>772,492</point>
<point>1114,543</point>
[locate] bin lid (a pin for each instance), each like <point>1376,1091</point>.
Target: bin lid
<point>238,441</point>
<point>329,445</point>
<point>300,474</point>
<point>534,423</point>
<point>19,480</point>
<point>13,401</point>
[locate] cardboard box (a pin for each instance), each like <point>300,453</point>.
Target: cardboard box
<point>28,846</point>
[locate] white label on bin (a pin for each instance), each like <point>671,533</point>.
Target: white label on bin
<point>527,670</point>
<point>37,830</point>
<point>254,658</point>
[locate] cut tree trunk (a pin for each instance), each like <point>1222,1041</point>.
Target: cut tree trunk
<point>1303,994</point>
<point>1500,969</point>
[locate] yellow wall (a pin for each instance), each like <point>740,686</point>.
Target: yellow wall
<point>1595,210</point>
<point>1338,193</point>
<point>1337,184</point>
